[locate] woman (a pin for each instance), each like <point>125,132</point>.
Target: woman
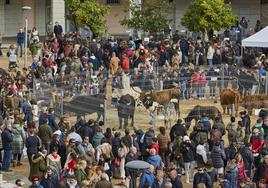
<point>203,82</point>
<point>241,168</point>
<point>53,160</point>
<point>35,111</point>
<point>18,142</point>
<point>34,35</point>
<point>163,140</point>
<point>33,142</point>
<point>80,171</point>
<point>38,165</point>
<point>122,153</point>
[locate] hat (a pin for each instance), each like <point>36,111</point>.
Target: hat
<point>186,138</point>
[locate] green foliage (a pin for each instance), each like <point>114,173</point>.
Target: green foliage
<point>87,13</point>
<point>150,16</point>
<point>208,15</point>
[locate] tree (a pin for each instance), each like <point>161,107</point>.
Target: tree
<point>150,16</point>
<point>208,15</point>
<point>87,13</point>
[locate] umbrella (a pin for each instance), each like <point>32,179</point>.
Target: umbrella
<point>138,165</point>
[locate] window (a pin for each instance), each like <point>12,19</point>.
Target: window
<point>113,1</point>
<point>7,2</point>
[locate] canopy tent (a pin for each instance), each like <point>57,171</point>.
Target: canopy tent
<point>259,39</point>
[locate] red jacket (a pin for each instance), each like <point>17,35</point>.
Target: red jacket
<point>156,147</point>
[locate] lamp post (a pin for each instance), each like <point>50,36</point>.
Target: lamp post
<point>25,8</point>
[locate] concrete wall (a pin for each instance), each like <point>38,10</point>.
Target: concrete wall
<point>264,14</point>
<point>115,15</point>
<point>2,17</point>
<point>40,16</point>
<point>250,9</point>
<point>58,12</point>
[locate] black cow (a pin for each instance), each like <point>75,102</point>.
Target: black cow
<point>126,109</point>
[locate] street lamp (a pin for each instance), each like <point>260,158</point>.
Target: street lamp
<point>26,8</point>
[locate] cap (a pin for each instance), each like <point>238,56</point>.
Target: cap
<point>186,138</point>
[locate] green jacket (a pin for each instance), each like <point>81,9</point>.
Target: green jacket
<point>38,167</point>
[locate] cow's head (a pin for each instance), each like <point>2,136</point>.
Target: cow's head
<point>148,101</point>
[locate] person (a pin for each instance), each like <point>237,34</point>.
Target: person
<point>148,178</point>
<point>45,134</point>
<point>175,179</point>
<point>19,139</point>
<point>247,156</point>
<point>155,159</point>
<point>241,167</point>
<point>80,172</point>
<point>114,63</point>
<point>54,161</point>
<point>7,139</point>
<point>35,182</point>
<point>244,25</point>
<point>49,180</point>
<point>177,129</point>
<point>20,41</point>
<point>188,151</point>
<point>34,38</point>
<point>202,177</point>
<point>122,153</point>
<point>246,122</point>
<point>262,170</point>
<point>58,30</point>
<point>19,183</point>
<point>163,141</point>
<point>210,54</point>
<point>103,183</point>
<point>38,165</point>
<point>218,157</point>
<point>33,142</point>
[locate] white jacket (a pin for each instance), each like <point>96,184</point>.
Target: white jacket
<point>210,53</point>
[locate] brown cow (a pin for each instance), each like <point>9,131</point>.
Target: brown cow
<point>229,97</point>
<point>162,97</point>
<point>251,102</point>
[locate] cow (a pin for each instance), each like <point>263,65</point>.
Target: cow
<point>196,113</point>
<point>228,98</point>
<point>162,98</point>
<point>126,109</point>
<point>251,102</point>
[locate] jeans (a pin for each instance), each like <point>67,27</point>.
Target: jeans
<point>21,46</point>
<point>189,170</point>
<point>210,63</point>
<point>7,159</point>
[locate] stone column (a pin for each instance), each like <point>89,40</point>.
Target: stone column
<point>2,17</point>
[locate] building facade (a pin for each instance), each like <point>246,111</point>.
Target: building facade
<point>45,11</point>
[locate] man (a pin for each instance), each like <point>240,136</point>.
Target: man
<point>20,41</point>
<point>49,180</point>
<point>177,130</point>
<point>148,177</point>
<point>202,177</point>
<point>45,133</point>
<point>7,139</point>
<point>175,179</point>
<point>246,124</point>
<point>36,183</point>
<point>52,119</point>
<point>58,29</point>
<point>103,183</point>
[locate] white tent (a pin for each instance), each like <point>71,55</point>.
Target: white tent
<point>259,39</point>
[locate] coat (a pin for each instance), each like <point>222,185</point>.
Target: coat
<point>7,139</point>
<point>18,139</point>
<point>147,178</point>
<point>45,133</point>
<point>187,151</point>
<point>38,167</point>
<point>218,157</point>
<point>55,163</point>
<point>96,140</point>
<point>80,175</point>
<point>155,160</point>
<point>202,178</point>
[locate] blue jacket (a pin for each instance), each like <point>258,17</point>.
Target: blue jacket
<point>7,139</point>
<point>176,183</point>
<point>58,30</point>
<point>20,38</point>
<point>206,124</point>
<point>147,178</point>
<point>202,178</point>
<point>231,176</point>
<point>49,182</point>
<point>155,160</point>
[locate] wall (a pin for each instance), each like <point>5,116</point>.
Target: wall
<point>58,12</point>
<point>2,17</point>
<point>40,16</point>
<point>115,15</point>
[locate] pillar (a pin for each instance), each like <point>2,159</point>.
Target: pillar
<point>58,12</point>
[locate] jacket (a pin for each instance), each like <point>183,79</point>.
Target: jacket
<point>163,141</point>
<point>96,140</point>
<point>18,138</point>
<point>202,178</point>
<point>7,139</point>
<point>32,144</point>
<point>187,151</point>
<point>45,133</point>
<point>38,166</point>
<point>231,175</point>
<point>247,156</point>
<point>147,178</point>
<point>218,156</point>
<point>201,154</point>
<point>177,129</point>
<point>155,160</point>
<point>49,182</point>
<point>176,183</point>
<point>246,123</point>
<point>20,37</point>
<point>55,163</point>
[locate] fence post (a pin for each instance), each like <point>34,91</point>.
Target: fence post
<point>222,77</point>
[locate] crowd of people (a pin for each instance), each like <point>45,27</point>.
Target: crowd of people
<point>62,154</point>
